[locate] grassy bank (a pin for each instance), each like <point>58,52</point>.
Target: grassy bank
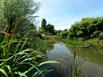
<point>73,43</point>
<point>83,44</point>
<point>79,43</point>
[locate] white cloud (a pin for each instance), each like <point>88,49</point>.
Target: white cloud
<point>61,23</point>
<point>49,7</point>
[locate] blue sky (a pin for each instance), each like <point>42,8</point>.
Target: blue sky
<point>63,13</point>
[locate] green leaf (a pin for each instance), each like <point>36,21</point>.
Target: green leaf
<point>3,72</point>
<point>22,74</point>
<point>48,62</point>
<point>9,69</point>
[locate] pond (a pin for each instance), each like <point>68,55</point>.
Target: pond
<point>63,54</point>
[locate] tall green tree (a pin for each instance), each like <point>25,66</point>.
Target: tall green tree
<point>50,29</point>
<point>43,25</point>
<point>16,14</point>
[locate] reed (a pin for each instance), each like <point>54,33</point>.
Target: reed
<point>22,57</point>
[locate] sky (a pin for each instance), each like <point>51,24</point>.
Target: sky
<point>63,13</point>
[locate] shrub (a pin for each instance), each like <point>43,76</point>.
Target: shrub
<point>95,34</point>
<point>101,35</point>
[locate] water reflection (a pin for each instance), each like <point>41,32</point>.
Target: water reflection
<point>94,53</point>
<point>62,54</point>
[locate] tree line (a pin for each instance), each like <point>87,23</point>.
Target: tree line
<point>47,28</point>
<point>87,28</point>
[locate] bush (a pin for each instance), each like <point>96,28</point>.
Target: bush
<point>64,34</point>
<point>101,35</point>
<point>95,34</point>
<point>87,28</point>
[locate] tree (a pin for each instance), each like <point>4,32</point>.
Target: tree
<point>43,25</point>
<point>47,28</point>
<point>64,34</point>
<point>16,15</point>
<point>87,28</point>
<point>50,29</point>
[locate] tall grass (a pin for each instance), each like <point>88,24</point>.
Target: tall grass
<point>21,57</point>
<point>76,67</point>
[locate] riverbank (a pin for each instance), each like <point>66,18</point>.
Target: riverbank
<point>75,43</point>
<point>90,49</point>
<point>83,44</point>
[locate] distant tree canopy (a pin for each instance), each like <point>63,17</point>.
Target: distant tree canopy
<point>47,28</point>
<point>87,28</point>
<point>50,29</point>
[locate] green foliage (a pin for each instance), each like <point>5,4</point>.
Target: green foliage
<point>50,29</point>
<point>17,58</point>
<point>47,28</point>
<point>79,33</point>
<point>77,67</point>
<point>16,16</point>
<point>21,50</point>
<point>64,34</point>
<point>87,28</point>
<point>76,71</point>
<point>95,34</point>
<point>77,43</point>
<point>43,25</point>
<point>101,35</point>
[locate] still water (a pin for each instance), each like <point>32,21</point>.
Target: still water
<point>64,55</point>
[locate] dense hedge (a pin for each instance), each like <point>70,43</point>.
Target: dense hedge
<point>87,28</point>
